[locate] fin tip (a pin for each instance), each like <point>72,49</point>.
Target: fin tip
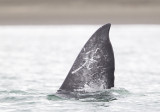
<point>108,25</point>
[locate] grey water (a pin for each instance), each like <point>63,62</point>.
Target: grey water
<point>34,61</point>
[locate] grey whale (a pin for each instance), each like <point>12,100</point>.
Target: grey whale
<point>94,67</point>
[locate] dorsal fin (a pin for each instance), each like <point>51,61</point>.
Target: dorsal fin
<point>94,66</point>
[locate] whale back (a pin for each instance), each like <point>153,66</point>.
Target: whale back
<point>94,67</point>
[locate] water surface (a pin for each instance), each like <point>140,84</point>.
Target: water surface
<point>34,61</point>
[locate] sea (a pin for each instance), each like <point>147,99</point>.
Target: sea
<point>35,60</point>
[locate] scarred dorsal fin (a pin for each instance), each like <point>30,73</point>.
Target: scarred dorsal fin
<point>94,66</point>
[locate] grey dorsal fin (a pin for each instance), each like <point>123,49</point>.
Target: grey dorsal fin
<point>94,66</point>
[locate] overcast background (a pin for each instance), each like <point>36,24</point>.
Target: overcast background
<point>44,12</point>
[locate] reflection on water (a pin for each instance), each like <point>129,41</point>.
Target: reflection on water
<point>34,61</point>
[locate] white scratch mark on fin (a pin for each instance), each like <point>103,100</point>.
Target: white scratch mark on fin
<point>79,68</point>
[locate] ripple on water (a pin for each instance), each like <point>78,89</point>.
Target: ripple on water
<point>16,96</point>
<point>98,96</point>
<point>18,92</point>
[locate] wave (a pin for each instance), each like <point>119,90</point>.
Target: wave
<point>97,96</point>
